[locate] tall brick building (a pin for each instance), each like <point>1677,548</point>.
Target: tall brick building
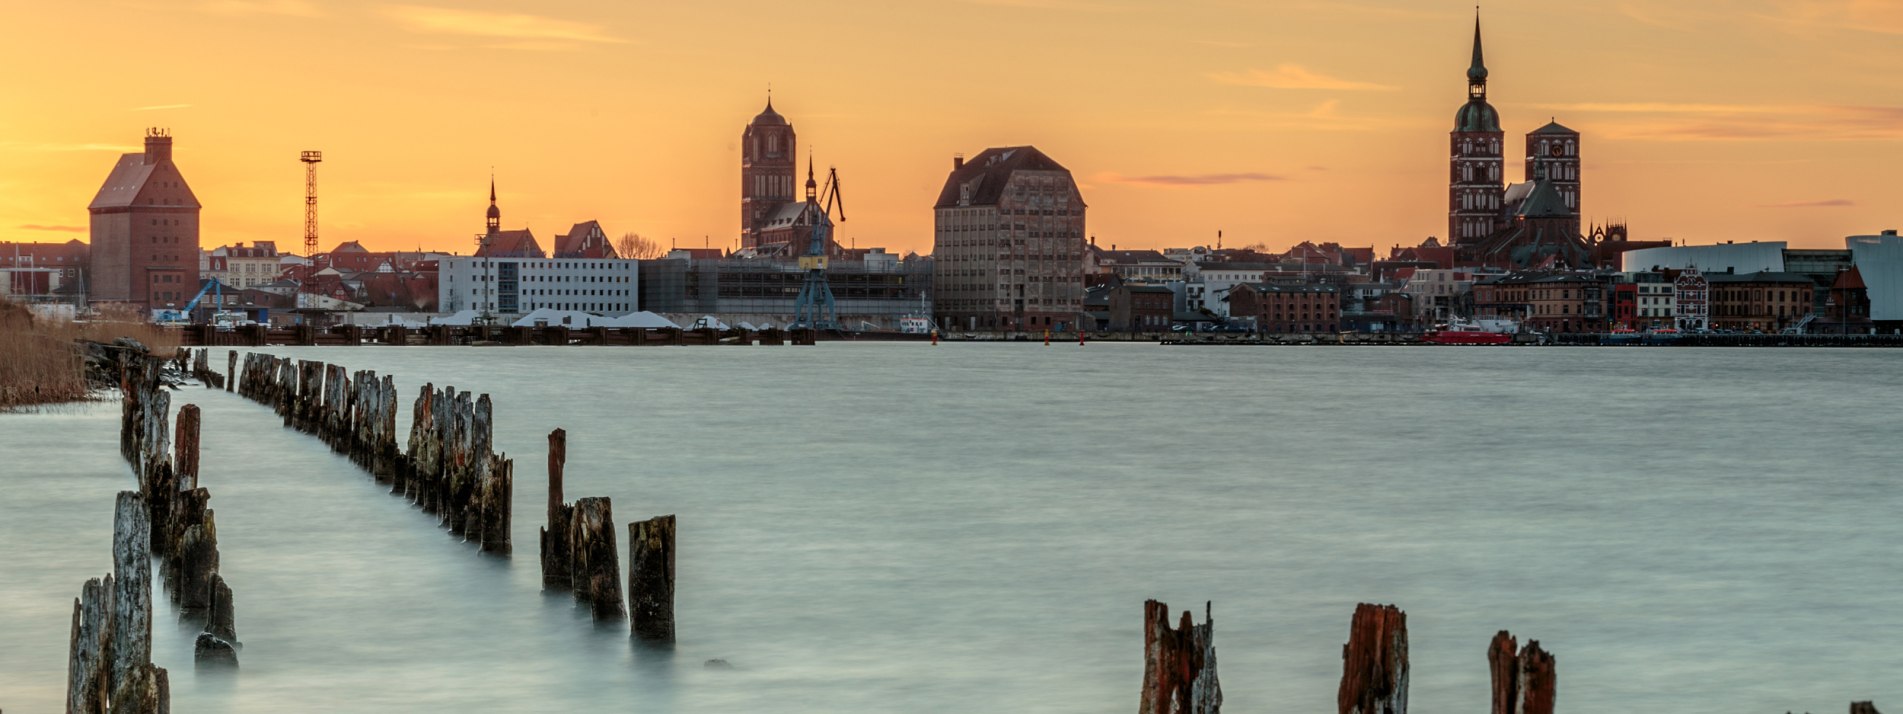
<point>1008,243</point>
<point>145,231</point>
<point>768,168</point>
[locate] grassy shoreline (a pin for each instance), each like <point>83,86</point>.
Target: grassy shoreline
<point>42,362</point>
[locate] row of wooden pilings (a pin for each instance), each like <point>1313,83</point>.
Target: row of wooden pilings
<point>109,665</point>
<point>1179,667</point>
<point>578,555</point>
<point>448,466</point>
<point>197,363</point>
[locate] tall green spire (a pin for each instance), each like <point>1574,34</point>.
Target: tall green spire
<point>1478,71</point>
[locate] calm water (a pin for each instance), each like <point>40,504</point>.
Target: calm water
<point>899,528</point>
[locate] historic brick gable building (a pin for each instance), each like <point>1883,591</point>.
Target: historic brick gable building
<point>1008,243</point>
<point>145,231</point>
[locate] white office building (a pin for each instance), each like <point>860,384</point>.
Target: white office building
<point>510,286</point>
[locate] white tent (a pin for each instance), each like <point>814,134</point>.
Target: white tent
<point>642,319</point>
<point>573,319</point>
<point>462,318</point>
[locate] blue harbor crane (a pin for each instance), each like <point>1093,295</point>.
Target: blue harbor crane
<point>815,308</point>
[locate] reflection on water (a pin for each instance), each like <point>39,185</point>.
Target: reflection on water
<point>975,527</point>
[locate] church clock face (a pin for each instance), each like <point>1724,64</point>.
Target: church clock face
<point>1557,151</point>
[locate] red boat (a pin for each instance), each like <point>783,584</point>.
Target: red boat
<point>1467,333</point>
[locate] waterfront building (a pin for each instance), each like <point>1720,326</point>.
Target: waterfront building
<point>242,266</point>
<point>1147,266</point>
<point>872,290</point>
<point>1146,307</point>
<point>1008,243</point>
<point>144,225</point>
<point>1749,257</point>
<point>585,240</point>
<point>66,265</point>
<point>511,276</point>
<point>1277,308</point>
<point>1655,300</point>
<point>1437,295</point>
<point>1763,301</point>
<point>1879,260</point>
<point>1691,300</point>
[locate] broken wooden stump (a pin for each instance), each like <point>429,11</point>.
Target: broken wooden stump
<point>1179,665</point>
<point>222,622</point>
<point>593,562</point>
<point>555,535</point>
<point>185,462</point>
<point>1523,682</point>
<point>231,370</point>
<point>87,670</point>
<point>651,579</point>
<point>1374,662</point>
<point>1863,708</point>
<point>197,565</point>
<point>497,487</point>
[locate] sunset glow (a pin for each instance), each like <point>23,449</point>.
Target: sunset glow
<point>1272,122</point>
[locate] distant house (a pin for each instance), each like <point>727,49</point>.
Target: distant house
<point>585,240</point>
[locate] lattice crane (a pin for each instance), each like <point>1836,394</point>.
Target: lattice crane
<point>309,287</point>
<point>815,307</point>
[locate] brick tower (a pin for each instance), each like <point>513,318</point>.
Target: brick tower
<point>1478,165</point>
<point>767,172</point>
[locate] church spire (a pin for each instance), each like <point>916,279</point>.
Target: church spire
<point>1478,70</point>
<point>812,187</point>
<point>495,214</point>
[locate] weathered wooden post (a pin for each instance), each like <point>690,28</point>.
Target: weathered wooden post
<point>144,690</point>
<point>651,579</point>
<point>1374,662</point>
<point>594,564</point>
<point>1863,708</point>
<point>1523,683</point>
<point>185,462</point>
<point>1179,665</point>
<point>88,673</point>
<point>498,495</point>
<point>131,625</point>
<point>231,370</point>
<point>555,535</point>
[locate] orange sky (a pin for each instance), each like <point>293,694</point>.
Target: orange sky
<point>1275,122</point>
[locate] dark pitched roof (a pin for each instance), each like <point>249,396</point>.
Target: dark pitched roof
<point>585,240</point>
<point>349,247</point>
<point>512,244</point>
<point>1553,127</point>
<point>984,176</point>
<point>769,116</point>
<point>1544,202</point>
<point>135,182</point>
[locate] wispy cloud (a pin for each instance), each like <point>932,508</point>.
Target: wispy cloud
<point>288,8</point>
<point>58,229</point>
<point>1326,116</point>
<point>1224,44</point>
<point>514,30</point>
<point>158,107</point>
<point>1179,180</point>
<point>1295,76</point>
<point>1744,122</point>
<point>1827,203</point>
<point>1877,16</point>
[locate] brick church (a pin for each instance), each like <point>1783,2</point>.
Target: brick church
<point>774,223</point>
<point>1530,224</point>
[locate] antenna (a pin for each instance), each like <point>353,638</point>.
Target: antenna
<point>310,159</point>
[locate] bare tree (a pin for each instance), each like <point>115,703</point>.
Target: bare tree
<point>634,247</point>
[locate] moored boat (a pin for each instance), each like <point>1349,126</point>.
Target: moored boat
<point>1465,332</point>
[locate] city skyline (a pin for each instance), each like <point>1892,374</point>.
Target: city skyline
<point>1739,120</point>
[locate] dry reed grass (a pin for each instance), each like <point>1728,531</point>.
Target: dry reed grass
<point>41,361</point>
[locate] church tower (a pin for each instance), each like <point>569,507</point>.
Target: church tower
<point>767,171</point>
<point>1478,165</point>
<point>1554,151</point>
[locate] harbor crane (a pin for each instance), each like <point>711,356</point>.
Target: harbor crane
<point>815,307</point>
<point>309,286</point>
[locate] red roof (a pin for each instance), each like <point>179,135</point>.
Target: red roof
<point>512,244</point>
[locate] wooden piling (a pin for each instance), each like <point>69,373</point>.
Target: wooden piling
<point>1374,662</point>
<point>231,370</point>
<point>88,671</point>
<point>498,494</point>
<point>1863,708</point>
<point>143,690</point>
<point>1523,682</point>
<point>651,579</point>
<point>185,462</point>
<point>555,534</point>
<point>593,562</point>
<point>1179,665</point>
<point>132,588</point>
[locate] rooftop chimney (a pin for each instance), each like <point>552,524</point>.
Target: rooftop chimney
<point>958,161</point>
<point>1890,232</point>
<point>158,145</point>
